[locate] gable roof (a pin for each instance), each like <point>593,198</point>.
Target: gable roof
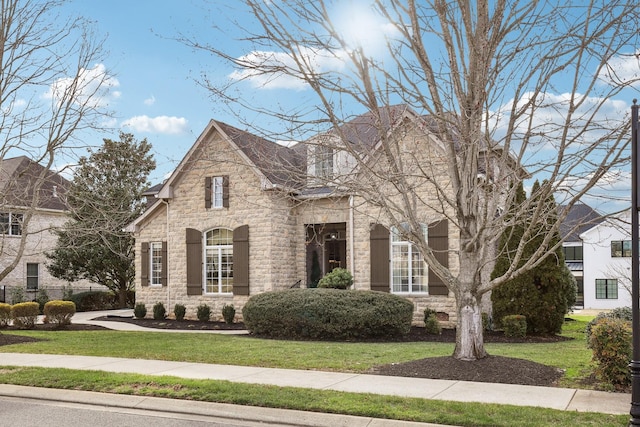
<point>18,175</point>
<point>579,219</point>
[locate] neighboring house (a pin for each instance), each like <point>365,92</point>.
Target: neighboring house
<point>242,215</point>
<point>18,177</point>
<point>579,219</point>
<point>607,259</point>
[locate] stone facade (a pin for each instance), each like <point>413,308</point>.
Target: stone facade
<point>284,225</point>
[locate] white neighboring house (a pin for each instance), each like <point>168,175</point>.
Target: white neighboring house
<point>607,263</point>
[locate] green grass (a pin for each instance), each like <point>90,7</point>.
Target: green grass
<point>390,407</point>
<point>573,356</point>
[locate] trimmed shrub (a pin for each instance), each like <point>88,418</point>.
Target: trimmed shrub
<point>515,325</point>
<point>179,311</point>
<point>228,313</point>
<point>622,313</point>
<point>338,278</point>
<point>25,315</point>
<point>94,300</point>
<point>140,311</point>
<point>203,313</point>
<point>431,324</point>
<point>59,312</point>
<point>328,314</point>
<point>159,312</point>
<point>610,341</point>
<point>5,314</point>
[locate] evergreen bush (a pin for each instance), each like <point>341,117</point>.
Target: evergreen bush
<point>93,300</point>
<point>179,311</point>
<point>610,341</point>
<point>228,313</point>
<point>338,278</point>
<point>17,295</point>
<point>140,311</point>
<point>328,314</point>
<point>25,315</point>
<point>515,325</point>
<point>159,312</point>
<point>42,298</point>
<point>5,314</point>
<point>203,313</point>
<point>59,312</point>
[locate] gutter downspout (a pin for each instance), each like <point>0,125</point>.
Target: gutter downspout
<point>351,236</point>
<point>166,202</point>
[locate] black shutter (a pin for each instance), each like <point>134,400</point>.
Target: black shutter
<point>379,254</point>
<point>165,260</point>
<point>194,262</point>
<point>144,258</point>
<point>241,260</point>
<point>207,192</point>
<point>439,243</point>
<point>225,191</point>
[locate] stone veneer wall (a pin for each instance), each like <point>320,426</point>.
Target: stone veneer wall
<point>41,239</point>
<point>272,232</point>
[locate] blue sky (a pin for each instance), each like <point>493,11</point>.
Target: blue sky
<point>155,95</point>
<point>155,92</point>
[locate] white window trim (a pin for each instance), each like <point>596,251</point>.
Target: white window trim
<point>37,276</point>
<point>153,246</point>
<point>217,192</point>
<point>219,249</point>
<point>411,248</point>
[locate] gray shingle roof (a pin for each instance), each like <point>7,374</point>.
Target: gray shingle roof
<point>579,219</point>
<point>18,176</point>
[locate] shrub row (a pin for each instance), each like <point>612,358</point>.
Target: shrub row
<point>25,314</point>
<point>203,312</point>
<point>328,314</point>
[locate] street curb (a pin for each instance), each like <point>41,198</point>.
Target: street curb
<point>223,411</point>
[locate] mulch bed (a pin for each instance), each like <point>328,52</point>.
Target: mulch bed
<point>495,369</point>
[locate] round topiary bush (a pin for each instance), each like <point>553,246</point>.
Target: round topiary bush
<point>328,314</point>
<point>338,278</point>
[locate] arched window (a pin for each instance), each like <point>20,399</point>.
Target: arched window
<point>218,261</point>
<point>408,268</point>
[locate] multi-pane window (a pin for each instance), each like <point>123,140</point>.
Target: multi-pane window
<point>573,253</point>
<point>218,263</point>
<point>11,223</point>
<point>607,288</point>
<point>217,188</point>
<point>155,252</point>
<point>620,248</point>
<point>324,162</point>
<point>33,277</point>
<point>408,268</point>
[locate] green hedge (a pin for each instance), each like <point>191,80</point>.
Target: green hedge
<point>94,300</point>
<point>328,314</point>
<point>59,312</point>
<point>610,341</point>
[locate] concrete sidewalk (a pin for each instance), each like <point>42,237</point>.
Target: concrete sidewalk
<point>460,391</point>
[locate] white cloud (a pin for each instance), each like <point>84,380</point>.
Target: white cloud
<point>150,101</point>
<point>95,87</point>
<point>622,69</point>
<point>160,124</point>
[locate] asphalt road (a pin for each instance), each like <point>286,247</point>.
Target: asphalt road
<point>41,413</point>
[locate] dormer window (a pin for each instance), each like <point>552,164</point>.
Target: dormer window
<point>324,162</point>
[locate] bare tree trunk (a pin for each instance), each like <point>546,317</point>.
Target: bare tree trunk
<point>469,331</point>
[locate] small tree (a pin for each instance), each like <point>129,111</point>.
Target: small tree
<point>105,197</point>
<point>545,293</point>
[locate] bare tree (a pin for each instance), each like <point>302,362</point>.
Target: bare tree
<point>507,89</point>
<point>51,87</point>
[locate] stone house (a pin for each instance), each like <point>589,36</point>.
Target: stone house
<point>19,177</point>
<point>242,215</point>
